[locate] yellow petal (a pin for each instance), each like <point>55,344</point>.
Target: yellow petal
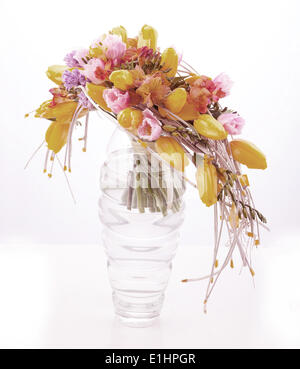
<point>122,79</point>
<point>56,136</point>
<point>95,92</point>
<point>172,152</point>
<point>207,182</point>
<point>62,112</point>
<point>120,31</point>
<point>147,37</point>
<point>42,109</point>
<point>130,118</point>
<point>176,100</point>
<point>189,112</point>
<point>55,73</point>
<point>209,127</point>
<point>169,61</point>
<point>248,154</point>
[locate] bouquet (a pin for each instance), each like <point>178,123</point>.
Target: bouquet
<point>169,110</point>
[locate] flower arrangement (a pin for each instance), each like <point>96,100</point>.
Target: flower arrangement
<point>169,109</point>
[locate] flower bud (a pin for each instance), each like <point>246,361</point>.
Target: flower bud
<point>56,136</point>
<point>248,154</point>
<point>55,72</point>
<point>176,100</point>
<point>147,37</point>
<point>209,127</point>
<point>95,92</point>
<point>122,79</point>
<point>130,118</point>
<point>120,31</point>
<point>207,182</point>
<point>169,61</point>
<point>172,152</point>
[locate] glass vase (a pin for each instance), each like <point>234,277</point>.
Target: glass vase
<point>141,209</point>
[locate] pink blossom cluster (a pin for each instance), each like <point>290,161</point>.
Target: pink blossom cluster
<point>232,123</point>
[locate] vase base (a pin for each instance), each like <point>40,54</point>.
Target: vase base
<point>137,322</point>
<point>137,312</point>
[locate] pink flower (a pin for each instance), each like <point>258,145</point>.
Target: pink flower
<point>116,100</point>
<point>149,129</point>
<point>223,85</point>
<point>114,47</point>
<point>94,71</point>
<point>232,122</point>
<point>81,54</point>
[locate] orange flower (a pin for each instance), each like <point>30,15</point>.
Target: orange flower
<point>201,91</point>
<point>153,91</point>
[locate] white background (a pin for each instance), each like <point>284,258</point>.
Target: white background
<point>255,42</point>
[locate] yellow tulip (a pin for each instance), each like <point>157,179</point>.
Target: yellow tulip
<point>207,182</point>
<point>247,153</point>
<point>95,92</point>
<point>169,61</point>
<point>176,100</point>
<point>55,73</point>
<point>56,136</point>
<point>62,112</point>
<point>120,31</point>
<point>209,127</point>
<point>130,118</point>
<point>122,79</point>
<point>188,112</point>
<point>147,37</point>
<point>172,152</point>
